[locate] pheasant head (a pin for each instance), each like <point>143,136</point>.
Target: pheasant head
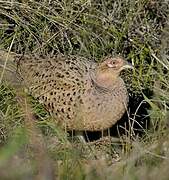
<point>109,70</point>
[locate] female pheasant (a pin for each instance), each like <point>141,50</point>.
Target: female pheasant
<point>79,93</point>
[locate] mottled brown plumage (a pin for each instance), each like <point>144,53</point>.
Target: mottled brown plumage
<point>80,94</point>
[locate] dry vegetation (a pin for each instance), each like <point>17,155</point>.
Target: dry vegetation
<point>31,146</point>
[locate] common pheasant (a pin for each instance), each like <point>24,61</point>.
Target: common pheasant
<point>79,93</point>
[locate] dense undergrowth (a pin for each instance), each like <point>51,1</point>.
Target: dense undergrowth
<point>139,31</point>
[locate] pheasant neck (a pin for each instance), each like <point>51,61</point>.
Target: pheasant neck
<point>106,80</point>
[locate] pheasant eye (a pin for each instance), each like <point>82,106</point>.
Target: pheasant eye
<point>111,64</point>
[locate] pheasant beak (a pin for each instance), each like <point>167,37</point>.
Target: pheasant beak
<point>126,65</point>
